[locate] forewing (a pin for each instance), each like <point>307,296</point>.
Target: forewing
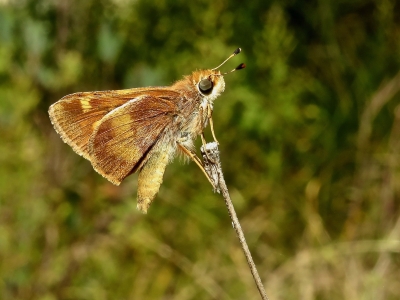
<point>75,116</point>
<point>125,135</point>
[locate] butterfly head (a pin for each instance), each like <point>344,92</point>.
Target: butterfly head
<point>210,83</point>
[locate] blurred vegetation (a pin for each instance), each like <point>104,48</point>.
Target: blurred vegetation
<point>309,134</point>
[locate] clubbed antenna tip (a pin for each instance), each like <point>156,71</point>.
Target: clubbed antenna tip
<point>241,66</point>
<point>237,51</point>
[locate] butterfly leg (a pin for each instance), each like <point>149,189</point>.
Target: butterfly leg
<point>196,159</point>
<point>209,115</point>
<point>203,140</point>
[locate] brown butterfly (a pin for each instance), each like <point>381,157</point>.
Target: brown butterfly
<point>140,129</point>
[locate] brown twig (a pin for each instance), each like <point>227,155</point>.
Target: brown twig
<point>212,165</point>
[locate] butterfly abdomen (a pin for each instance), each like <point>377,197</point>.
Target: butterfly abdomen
<point>151,177</point>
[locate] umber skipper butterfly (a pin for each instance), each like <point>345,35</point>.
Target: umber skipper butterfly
<point>140,129</point>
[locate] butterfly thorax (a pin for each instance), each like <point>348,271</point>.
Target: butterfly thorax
<point>195,103</point>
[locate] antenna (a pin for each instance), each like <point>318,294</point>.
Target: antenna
<point>239,67</point>
<point>236,52</point>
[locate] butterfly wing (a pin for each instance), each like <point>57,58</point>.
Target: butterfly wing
<point>125,136</point>
<point>75,116</point>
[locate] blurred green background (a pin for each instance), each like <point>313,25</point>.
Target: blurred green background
<point>309,136</point>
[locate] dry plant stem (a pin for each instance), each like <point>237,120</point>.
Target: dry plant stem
<point>212,165</point>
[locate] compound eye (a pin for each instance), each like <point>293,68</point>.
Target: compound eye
<point>206,86</point>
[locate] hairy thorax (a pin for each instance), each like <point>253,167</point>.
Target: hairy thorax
<point>194,106</point>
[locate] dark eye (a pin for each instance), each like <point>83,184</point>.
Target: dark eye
<point>205,86</point>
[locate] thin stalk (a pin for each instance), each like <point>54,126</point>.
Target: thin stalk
<point>212,165</point>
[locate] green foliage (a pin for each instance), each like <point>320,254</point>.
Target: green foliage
<point>308,132</point>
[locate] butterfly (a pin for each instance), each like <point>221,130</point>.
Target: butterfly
<point>140,129</point>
